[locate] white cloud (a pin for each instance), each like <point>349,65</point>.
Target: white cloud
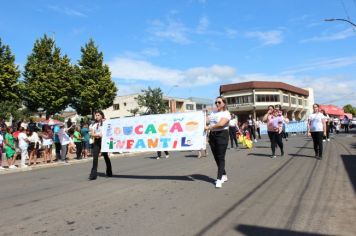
<point>67,11</point>
<point>130,69</point>
<point>203,24</point>
<point>267,37</point>
<point>323,64</point>
<point>173,30</point>
<point>332,37</point>
<point>230,33</point>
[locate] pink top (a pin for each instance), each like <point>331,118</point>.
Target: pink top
<point>274,122</point>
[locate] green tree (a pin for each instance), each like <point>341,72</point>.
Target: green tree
<point>11,110</point>
<point>134,111</point>
<point>94,88</point>
<point>9,82</point>
<point>152,100</point>
<point>350,109</point>
<point>48,78</point>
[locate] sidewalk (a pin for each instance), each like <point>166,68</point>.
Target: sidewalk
<point>71,161</point>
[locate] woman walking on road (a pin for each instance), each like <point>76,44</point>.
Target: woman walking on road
<point>219,137</point>
<point>97,135</point>
<point>274,129</point>
<point>316,129</point>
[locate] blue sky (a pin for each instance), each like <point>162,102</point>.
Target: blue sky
<point>191,47</point>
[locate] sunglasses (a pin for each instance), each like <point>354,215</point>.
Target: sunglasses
<point>218,102</point>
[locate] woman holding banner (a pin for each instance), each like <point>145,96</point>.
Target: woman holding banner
<point>219,137</point>
<point>96,134</point>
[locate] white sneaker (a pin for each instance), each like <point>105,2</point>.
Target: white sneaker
<point>157,158</point>
<point>12,167</point>
<point>167,156</point>
<point>255,140</point>
<point>24,166</point>
<point>218,183</point>
<point>224,178</point>
<point>324,140</point>
<point>328,140</point>
<point>2,168</point>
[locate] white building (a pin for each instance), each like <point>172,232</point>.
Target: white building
<point>254,97</point>
<point>124,105</point>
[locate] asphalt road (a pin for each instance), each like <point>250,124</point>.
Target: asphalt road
<point>292,195</point>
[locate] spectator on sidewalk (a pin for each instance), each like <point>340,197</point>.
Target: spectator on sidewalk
<point>47,135</point>
<point>10,148</point>
<point>86,137</point>
<point>77,138</point>
<point>1,146</point>
<point>64,140</point>
<point>23,145</point>
<point>56,141</point>
<point>33,147</point>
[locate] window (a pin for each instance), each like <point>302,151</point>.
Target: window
<point>306,102</point>
<point>285,99</point>
<point>267,98</point>
<point>125,104</point>
<point>189,107</point>
<point>116,107</point>
<point>293,100</point>
<point>300,102</point>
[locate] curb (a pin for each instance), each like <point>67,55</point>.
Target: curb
<point>70,162</point>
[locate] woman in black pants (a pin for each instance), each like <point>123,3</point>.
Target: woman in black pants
<point>274,128</point>
<point>219,137</point>
<point>316,129</point>
<point>96,133</point>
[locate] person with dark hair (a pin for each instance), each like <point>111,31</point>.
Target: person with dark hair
<point>274,129</point>
<point>346,122</point>
<point>327,122</point>
<point>97,136</point>
<point>23,145</point>
<point>77,139</point>
<point>233,128</point>
<point>252,127</point>
<point>219,137</point>
<point>265,119</point>
<point>9,147</point>
<point>316,129</point>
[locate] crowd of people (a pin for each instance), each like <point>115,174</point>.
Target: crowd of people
<point>30,143</point>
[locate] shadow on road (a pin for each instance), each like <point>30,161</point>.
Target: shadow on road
<point>350,167</point>
<point>305,147</point>
<point>259,154</point>
<point>251,230</point>
<point>300,155</point>
<point>262,147</point>
<point>192,177</point>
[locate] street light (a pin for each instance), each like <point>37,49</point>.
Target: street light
<point>335,19</point>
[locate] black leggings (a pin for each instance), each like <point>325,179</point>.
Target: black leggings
<point>218,141</point>
<point>251,130</point>
<point>232,132</point>
<point>79,148</point>
<point>276,139</point>
<point>96,151</point>
<point>318,143</point>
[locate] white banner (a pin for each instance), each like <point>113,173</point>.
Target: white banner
<point>178,131</point>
